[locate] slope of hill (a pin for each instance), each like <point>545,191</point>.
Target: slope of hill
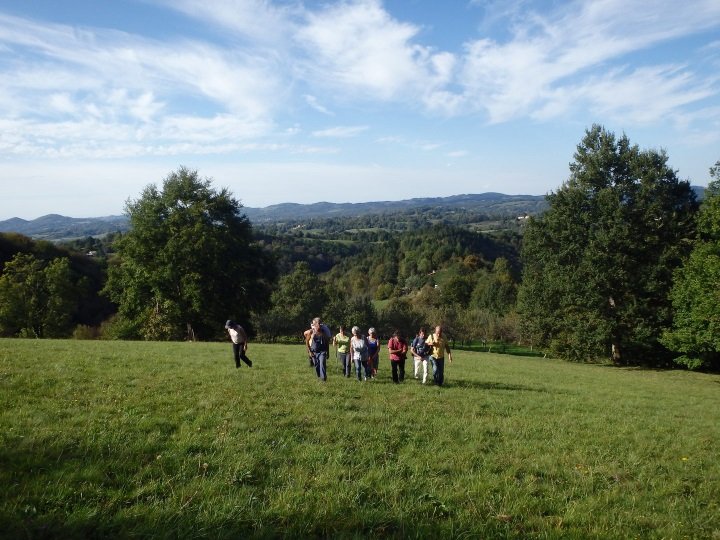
<point>494,204</point>
<point>57,227</point>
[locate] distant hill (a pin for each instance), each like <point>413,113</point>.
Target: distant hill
<point>492,204</point>
<point>56,227</point>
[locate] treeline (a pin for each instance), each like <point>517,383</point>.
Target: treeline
<point>324,243</point>
<point>49,291</point>
<point>468,283</point>
<point>624,265</point>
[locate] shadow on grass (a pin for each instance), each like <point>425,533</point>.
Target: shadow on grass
<point>509,350</point>
<point>370,524</point>
<point>487,385</point>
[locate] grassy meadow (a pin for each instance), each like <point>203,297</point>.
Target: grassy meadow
<point>167,440</point>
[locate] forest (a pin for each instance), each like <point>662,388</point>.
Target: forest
<point>621,263</point>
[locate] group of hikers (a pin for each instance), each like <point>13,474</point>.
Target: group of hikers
<point>361,352</point>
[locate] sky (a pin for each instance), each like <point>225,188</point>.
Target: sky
<point>349,101</point>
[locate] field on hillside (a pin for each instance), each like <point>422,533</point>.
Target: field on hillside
<point>167,440</point>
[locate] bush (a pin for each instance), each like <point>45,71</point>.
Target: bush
<point>118,327</point>
<point>83,331</point>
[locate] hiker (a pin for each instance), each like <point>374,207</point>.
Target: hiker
<point>373,345</point>
<point>239,342</point>
<point>439,347</point>
<point>341,342</point>
<point>421,352</point>
<point>358,346</point>
<point>318,345</point>
<point>306,339</point>
<point>397,348</point>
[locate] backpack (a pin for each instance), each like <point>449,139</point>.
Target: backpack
<point>422,349</point>
<point>319,343</point>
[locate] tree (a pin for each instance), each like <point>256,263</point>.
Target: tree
<point>188,262</point>
<point>696,290</point>
<point>597,266</point>
<point>457,290</point>
<point>400,314</point>
<point>37,298</point>
<point>357,311</point>
<point>300,296</point>
<point>496,290</point>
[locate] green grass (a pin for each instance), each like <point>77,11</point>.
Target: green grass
<point>167,440</point>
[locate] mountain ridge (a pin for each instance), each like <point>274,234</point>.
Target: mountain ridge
<point>58,227</point>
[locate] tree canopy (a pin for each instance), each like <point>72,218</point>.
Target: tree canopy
<point>188,262</point>
<point>37,298</point>
<point>696,290</point>
<point>597,266</point>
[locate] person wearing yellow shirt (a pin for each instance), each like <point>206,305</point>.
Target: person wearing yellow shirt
<point>440,346</point>
<point>341,342</point>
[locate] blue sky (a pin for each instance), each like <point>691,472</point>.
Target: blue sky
<point>285,101</point>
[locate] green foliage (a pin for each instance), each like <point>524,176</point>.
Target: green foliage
<point>87,275</point>
<point>401,314</point>
<point>349,312</point>
<point>100,246</point>
<point>169,440</point>
<point>696,290</point>
<point>37,299</point>
<point>83,331</point>
<point>457,290</point>
<point>299,297</point>
<point>407,261</point>
<point>597,266</point>
<point>496,291</point>
<point>189,262</point>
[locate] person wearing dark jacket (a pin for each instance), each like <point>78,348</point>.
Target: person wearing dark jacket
<point>318,345</point>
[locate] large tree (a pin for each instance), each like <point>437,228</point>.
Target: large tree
<point>597,266</point>
<point>696,290</point>
<point>189,261</point>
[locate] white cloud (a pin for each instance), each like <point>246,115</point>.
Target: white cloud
<point>359,47</point>
<point>644,95</point>
<point>69,92</point>
<point>549,53</point>
<point>257,20</point>
<point>104,93</point>
<point>340,132</point>
<point>313,102</point>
